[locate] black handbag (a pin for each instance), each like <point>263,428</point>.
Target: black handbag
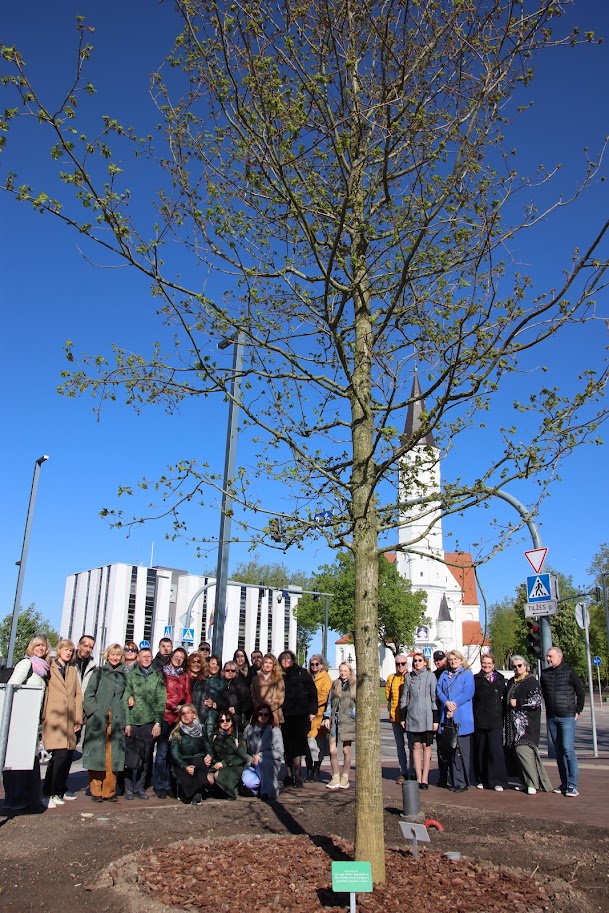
<point>449,737</point>
<point>135,752</point>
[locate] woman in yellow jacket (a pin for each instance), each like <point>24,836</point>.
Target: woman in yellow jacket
<point>393,692</point>
<point>318,735</point>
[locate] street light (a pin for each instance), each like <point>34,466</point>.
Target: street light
<point>227,498</point>
<point>23,559</point>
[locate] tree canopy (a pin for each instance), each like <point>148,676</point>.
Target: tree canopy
<point>29,623</point>
<point>345,168</point>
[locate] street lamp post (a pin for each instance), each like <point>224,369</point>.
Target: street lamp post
<point>227,497</point>
<point>23,559</point>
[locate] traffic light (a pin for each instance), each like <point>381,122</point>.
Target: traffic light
<point>598,594</point>
<point>534,639</point>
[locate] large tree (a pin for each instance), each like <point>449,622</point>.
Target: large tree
<point>29,623</point>
<point>346,167</point>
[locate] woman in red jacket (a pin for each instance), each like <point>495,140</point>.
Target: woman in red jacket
<point>179,691</point>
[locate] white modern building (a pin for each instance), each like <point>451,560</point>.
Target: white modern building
<point>120,602</point>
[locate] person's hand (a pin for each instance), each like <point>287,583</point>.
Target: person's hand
<point>450,705</point>
<point>435,727</point>
<point>257,759</point>
<point>513,702</point>
<point>231,710</point>
<point>403,724</point>
<point>131,702</point>
<point>156,731</point>
<point>77,727</point>
<point>207,760</point>
<point>208,702</point>
<point>449,715</point>
<point>128,730</point>
<point>190,770</point>
<point>218,765</point>
<point>327,723</point>
<point>576,717</point>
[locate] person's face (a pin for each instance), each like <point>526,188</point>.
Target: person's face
<point>263,716</point>
<point>144,658</point>
<point>315,666</point>
<point>187,715</point>
<point>115,657</point>
<point>165,647</point>
<point>240,659</point>
<point>178,659</point>
<point>225,721</point>
<point>256,660</point>
<point>401,666</point>
<point>286,661</point>
<point>453,661</point>
<point>441,663</point>
<point>85,648</point>
<point>230,672</point>
<point>205,649</point>
<point>418,663</point>
<point>39,650</point>
<point>213,666</point>
<point>267,665</point>
<point>487,665</point>
<point>130,654</point>
<point>519,667</point>
<point>343,673</point>
<point>553,658</point>
<point>194,664</point>
<point>65,654</point>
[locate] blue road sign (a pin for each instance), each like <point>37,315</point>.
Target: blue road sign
<point>427,652</point>
<point>188,635</point>
<point>597,661</point>
<point>539,588</point>
<point>144,644</point>
<point>168,631</point>
<point>323,518</point>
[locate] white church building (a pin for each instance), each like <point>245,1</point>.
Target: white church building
<point>448,578</point>
<point>120,602</point>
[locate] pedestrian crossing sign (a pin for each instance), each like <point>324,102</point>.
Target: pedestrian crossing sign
<point>539,588</point>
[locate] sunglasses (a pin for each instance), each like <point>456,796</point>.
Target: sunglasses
<point>416,661</point>
<point>205,650</point>
<point>518,666</point>
<point>313,664</point>
<point>263,713</point>
<point>400,664</point>
<point>224,719</point>
<point>233,671</point>
<point>130,650</point>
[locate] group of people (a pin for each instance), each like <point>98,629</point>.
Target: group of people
<point>184,724</point>
<point>484,725</point>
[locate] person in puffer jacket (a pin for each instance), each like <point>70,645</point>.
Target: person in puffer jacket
<point>179,691</point>
<point>564,697</point>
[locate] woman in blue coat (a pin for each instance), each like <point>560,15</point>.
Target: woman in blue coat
<point>455,694</point>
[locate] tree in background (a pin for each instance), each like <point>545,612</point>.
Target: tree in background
<point>598,622</point>
<point>346,170</point>
<point>29,623</point>
<point>400,608</point>
<point>502,631</point>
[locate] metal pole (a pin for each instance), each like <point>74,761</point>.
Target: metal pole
<point>324,643</point>
<point>600,693</point>
<point>5,722</point>
<point>605,605</point>
<point>590,679</point>
<point>22,561</point>
<point>227,500</point>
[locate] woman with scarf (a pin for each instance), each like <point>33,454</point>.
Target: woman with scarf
<point>62,716</point>
<point>264,745</point>
<point>299,711</point>
<point>196,666</point>
<point>216,684</point>
<point>489,716</point>
<point>420,717</point>
<point>179,691</point>
<point>317,738</point>
<point>340,722</point>
<point>190,758</point>
<point>522,726</point>
<point>22,787</point>
<point>455,691</point>
<point>228,756</point>
<point>103,753</point>
<point>243,667</point>
<point>268,687</point>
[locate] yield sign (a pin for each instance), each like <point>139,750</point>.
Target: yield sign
<point>536,558</point>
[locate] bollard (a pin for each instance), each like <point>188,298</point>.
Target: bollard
<point>411,799</point>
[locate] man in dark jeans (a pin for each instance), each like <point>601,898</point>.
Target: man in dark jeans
<point>564,696</point>
<point>144,701</point>
<point>439,659</point>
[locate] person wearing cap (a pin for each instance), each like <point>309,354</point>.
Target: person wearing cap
<point>394,688</point>
<point>439,659</point>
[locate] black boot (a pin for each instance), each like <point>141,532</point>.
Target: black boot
<point>315,772</point>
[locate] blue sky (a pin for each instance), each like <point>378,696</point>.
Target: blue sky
<point>51,292</point>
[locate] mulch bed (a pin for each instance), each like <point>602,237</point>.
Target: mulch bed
<point>267,874</point>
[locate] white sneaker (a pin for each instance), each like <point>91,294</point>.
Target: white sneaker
<point>58,800</point>
<point>344,781</point>
<point>499,789</point>
<point>48,801</point>
<point>334,782</point>
<point>531,790</point>
<point>479,785</point>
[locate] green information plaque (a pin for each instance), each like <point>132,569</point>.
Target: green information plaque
<point>349,877</point>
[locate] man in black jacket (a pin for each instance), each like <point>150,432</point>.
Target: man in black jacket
<point>563,695</point>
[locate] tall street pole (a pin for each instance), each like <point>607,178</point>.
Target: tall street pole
<point>22,561</point>
<point>227,497</point>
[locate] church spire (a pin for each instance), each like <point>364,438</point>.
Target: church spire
<point>413,416</point>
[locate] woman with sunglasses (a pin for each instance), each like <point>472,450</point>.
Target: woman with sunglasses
<point>317,738</point>
<point>264,745</point>
<point>130,653</point>
<point>420,715</point>
<point>196,666</point>
<point>523,725</point>
<point>236,697</point>
<point>179,691</point>
<point>228,757</point>
<point>190,758</point>
<point>489,717</point>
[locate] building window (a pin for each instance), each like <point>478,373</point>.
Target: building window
<point>103,624</point>
<point>287,614</point>
<point>72,606</point>
<point>203,632</point>
<point>130,627</point>
<point>100,584</point>
<point>242,614</point>
<point>149,604</point>
<point>258,625</point>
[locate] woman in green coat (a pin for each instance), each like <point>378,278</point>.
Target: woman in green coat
<point>228,756</point>
<point>103,752</point>
<point>190,758</point>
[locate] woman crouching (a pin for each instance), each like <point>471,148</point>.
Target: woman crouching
<point>190,758</point>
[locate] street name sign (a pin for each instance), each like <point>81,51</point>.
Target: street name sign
<point>537,609</point>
